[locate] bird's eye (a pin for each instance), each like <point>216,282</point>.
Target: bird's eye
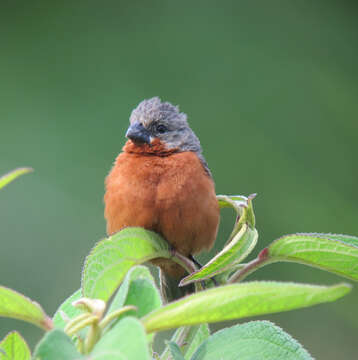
<point>161,129</point>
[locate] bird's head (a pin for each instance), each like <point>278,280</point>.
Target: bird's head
<point>160,125</point>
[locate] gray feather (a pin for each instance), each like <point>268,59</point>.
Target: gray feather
<point>152,112</point>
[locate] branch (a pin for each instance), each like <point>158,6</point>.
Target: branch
<point>262,259</point>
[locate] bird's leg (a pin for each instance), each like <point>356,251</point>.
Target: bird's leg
<point>182,260</point>
<point>197,263</point>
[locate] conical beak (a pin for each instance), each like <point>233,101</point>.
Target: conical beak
<point>138,134</point>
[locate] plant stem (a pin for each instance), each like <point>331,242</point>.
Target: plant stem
<point>76,321</point>
<point>80,325</point>
<point>262,259</point>
<point>47,324</point>
<point>115,314</point>
<point>182,260</point>
<point>93,335</point>
<point>179,338</point>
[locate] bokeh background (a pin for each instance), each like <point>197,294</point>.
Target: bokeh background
<point>270,87</point>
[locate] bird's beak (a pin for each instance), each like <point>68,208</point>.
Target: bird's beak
<point>138,134</point>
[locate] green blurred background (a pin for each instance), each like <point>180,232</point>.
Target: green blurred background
<point>270,87</point>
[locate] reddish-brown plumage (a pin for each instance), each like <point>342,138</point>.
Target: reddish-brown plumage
<point>165,191</point>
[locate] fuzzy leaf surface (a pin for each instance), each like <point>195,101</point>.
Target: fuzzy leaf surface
<point>253,340</point>
<point>12,175</point>
<point>17,306</point>
<point>175,351</point>
<point>111,258</point>
<point>143,294</point>
<point>126,340</point>
<point>196,336</point>
<point>14,347</point>
<point>331,252</point>
<point>138,289</point>
<point>56,345</point>
<point>238,301</point>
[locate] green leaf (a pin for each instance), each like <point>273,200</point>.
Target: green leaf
<point>138,288</point>
<point>331,252</point>
<point>111,258</point>
<point>12,175</point>
<point>108,355</point>
<point>143,293</point>
<point>121,295</point>
<point>240,300</point>
<point>243,207</point>
<point>234,252</point>
<point>231,201</point>
<point>193,335</point>
<point>56,345</point>
<point>14,347</point>
<point>241,242</point>
<point>175,351</point>
<point>66,309</point>
<point>253,340</point>
<point>17,306</point>
<point>197,334</point>
<point>126,340</point>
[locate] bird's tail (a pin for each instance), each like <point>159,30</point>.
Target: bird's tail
<point>169,288</point>
<point>170,275</point>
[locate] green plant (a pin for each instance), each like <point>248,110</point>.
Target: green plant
<point>119,309</point>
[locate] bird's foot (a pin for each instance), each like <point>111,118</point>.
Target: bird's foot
<point>197,263</point>
<point>184,261</point>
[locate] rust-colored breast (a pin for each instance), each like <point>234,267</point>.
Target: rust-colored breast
<point>172,195</point>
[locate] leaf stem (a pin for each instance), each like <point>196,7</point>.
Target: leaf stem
<point>262,259</point>
<point>179,338</point>
<point>76,321</point>
<point>47,324</point>
<point>182,260</point>
<point>93,335</point>
<point>80,325</point>
<point>115,314</point>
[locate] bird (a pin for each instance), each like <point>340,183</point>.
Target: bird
<point>160,181</point>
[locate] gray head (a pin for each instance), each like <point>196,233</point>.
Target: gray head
<point>153,119</point>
